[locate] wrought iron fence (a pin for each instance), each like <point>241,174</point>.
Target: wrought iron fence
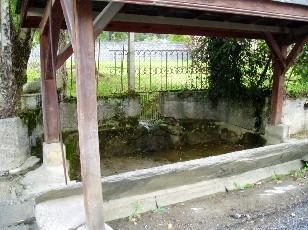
<point>156,69</point>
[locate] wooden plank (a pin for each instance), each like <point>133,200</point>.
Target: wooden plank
<point>262,9</point>
<point>87,114</point>
<point>198,23</point>
<point>278,87</point>
<point>140,27</point>
<point>100,22</point>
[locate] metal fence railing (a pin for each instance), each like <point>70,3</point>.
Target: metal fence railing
<point>158,67</point>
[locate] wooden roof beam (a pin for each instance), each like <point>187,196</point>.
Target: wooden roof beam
<point>24,11</point>
<point>265,9</point>
<point>45,17</point>
<point>133,18</point>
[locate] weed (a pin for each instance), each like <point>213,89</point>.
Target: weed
<point>159,210</point>
<point>300,173</point>
<point>136,214</point>
<point>237,186</point>
<point>277,177</point>
<point>248,186</point>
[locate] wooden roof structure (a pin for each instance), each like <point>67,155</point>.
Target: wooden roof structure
<point>282,23</point>
<point>232,18</point>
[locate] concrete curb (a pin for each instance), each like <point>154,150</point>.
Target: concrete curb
<point>68,212</point>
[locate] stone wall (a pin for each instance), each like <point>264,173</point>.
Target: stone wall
<point>14,143</point>
<point>195,105</point>
<point>295,114</point>
<point>107,108</point>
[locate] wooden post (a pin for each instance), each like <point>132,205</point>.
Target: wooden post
<point>131,62</point>
<point>49,95</point>
<point>87,113</point>
<point>278,86</point>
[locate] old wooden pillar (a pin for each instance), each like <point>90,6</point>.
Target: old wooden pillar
<point>278,86</point>
<point>49,94</point>
<point>87,113</point>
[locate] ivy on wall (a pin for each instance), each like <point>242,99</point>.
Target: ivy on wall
<point>237,68</point>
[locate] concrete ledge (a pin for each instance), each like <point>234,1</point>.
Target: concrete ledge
<point>276,134</point>
<point>173,175</point>
<point>68,212</point>
<point>52,154</point>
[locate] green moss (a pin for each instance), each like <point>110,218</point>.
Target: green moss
<point>130,94</point>
<point>38,149</point>
<point>70,140</point>
<point>31,118</point>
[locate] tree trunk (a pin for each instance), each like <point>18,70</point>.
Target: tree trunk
<point>14,56</point>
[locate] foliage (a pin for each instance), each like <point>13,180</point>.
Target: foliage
<point>237,186</point>
<point>31,118</point>
<point>159,210</point>
<point>136,213</point>
<point>180,38</point>
<point>300,173</point>
<point>277,177</point>
<point>297,80</point>
<point>237,67</point>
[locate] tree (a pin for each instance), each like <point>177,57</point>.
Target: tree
<point>16,44</point>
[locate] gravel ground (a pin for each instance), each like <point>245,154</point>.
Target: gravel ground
<point>269,205</point>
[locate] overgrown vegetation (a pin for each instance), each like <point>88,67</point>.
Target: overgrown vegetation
<point>237,68</point>
<point>241,68</point>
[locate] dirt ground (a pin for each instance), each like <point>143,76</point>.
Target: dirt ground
<point>281,204</point>
<point>120,164</point>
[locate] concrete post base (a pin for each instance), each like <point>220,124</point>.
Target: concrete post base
<point>52,154</point>
<point>276,134</point>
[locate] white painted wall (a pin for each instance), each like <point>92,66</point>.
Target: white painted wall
<point>294,115</point>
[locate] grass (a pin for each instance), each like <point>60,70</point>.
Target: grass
<point>113,79</point>
<point>277,177</point>
<point>136,213</point>
<point>237,186</point>
<point>300,173</point>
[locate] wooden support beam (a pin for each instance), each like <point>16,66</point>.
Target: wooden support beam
<point>295,52</point>
<point>67,7</point>
<point>278,87</point>
<point>24,11</point>
<point>49,96</point>
<point>54,33</point>
<point>87,114</point>
<point>105,17</point>
<point>45,17</point>
<point>100,22</point>
<point>271,42</point>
